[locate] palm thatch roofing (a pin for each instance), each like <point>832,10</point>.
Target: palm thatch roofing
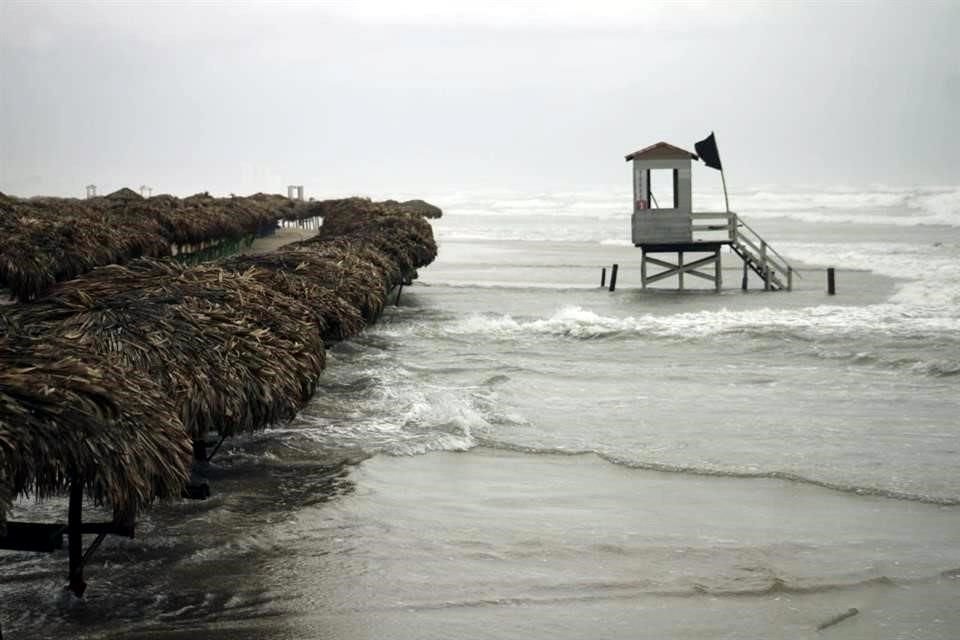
<point>63,419</point>
<point>236,354</point>
<point>47,240</point>
<point>108,377</point>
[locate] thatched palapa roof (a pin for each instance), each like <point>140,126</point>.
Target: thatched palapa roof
<point>48,240</point>
<point>62,417</point>
<point>108,377</point>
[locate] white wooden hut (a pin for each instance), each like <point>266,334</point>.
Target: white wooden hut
<point>665,223</point>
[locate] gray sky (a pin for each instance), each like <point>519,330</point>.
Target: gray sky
<point>427,95</point>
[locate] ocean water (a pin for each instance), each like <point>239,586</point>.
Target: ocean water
<point>515,452</point>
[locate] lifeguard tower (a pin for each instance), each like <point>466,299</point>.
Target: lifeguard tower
<point>670,226</point>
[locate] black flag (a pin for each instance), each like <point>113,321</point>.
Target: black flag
<point>707,150</point>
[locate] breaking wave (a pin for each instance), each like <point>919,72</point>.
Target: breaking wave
<point>913,206</point>
<point>719,472</point>
<point>810,323</point>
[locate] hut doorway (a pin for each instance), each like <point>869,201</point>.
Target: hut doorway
<point>663,189</point>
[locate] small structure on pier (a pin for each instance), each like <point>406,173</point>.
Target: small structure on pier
<point>295,192</point>
<point>670,226</point>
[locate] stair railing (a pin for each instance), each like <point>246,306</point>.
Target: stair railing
<point>742,235</point>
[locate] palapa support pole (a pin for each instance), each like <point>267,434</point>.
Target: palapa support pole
<point>613,277</point>
<point>196,488</point>
<point>75,538</point>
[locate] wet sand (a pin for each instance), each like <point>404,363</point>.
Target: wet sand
<point>448,545</point>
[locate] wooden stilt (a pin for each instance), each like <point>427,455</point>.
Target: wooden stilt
<point>680,267</point>
<point>643,268</point>
<point>831,281</point>
<point>717,272</point>
<point>683,268</point>
<point>743,283</point>
<point>613,277</point>
<point>603,277</point>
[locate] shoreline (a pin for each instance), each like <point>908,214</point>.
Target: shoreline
<point>691,558</point>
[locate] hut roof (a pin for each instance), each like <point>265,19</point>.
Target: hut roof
<point>124,193</point>
<point>662,150</point>
<point>235,353</point>
<point>65,416</point>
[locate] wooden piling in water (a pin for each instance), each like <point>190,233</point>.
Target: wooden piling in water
<point>849,613</point>
<point>603,277</point>
<point>613,277</point>
<point>831,281</point>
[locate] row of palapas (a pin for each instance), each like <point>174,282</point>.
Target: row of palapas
<point>48,240</point>
<point>109,378</point>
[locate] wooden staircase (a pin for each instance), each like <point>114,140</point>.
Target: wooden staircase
<point>757,255</point>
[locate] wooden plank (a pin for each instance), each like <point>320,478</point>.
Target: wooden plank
<point>676,272</point>
<point>33,536</point>
<point>700,274</point>
<point>702,246</point>
<point>660,276</point>
<point>125,530</point>
<point>710,227</point>
<point>661,263</point>
<point>696,264</point>
<point>712,214</point>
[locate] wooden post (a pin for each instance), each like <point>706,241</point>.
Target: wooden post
<point>643,268</point>
<point>831,281</point>
<point>789,278</point>
<point>766,266</point>
<point>717,272</point>
<point>75,537</point>
<point>743,283</point>
<point>613,277</point>
<point>603,277</point>
<point>680,264</point>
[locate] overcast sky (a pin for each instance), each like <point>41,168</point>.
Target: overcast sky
<point>432,95</point>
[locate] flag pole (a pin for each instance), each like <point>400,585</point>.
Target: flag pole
<point>723,178</point>
<point>710,154</point>
<point>725,199</point>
